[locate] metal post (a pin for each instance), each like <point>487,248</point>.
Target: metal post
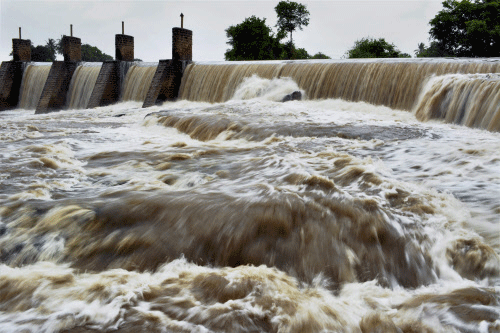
<point>182,20</point>
<point>19,32</point>
<point>123,28</point>
<point>71,30</point>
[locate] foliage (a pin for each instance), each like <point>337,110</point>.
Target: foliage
<point>93,54</point>
<point>51,45</point>
<point>291,52</point>
<point>291,16</point>
<point>300,53</point>
<point>435,50</point>
<point>374,48</point>
<point>89,53</point>
<point>252,40</point>
<point>320,55</point>
<point>467,29</point>
<point>43,53</point>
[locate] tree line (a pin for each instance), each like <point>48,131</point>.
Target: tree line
<point>464,28</point>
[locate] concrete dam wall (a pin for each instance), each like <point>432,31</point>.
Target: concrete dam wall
<point>460,91</point>
<point>71,83</point>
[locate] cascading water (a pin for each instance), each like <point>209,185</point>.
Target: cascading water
<point>34,78</point>
<point>82,85</point>
<point>394,83</point>
<point>472,100</point>
<point>137,82</point>
<point>320,215</point>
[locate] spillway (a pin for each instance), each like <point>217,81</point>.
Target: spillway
<point>396,83</point>
<point>82,84</point>
<point>471,100</point>
<point>34,78</point>
<point>137,82</point>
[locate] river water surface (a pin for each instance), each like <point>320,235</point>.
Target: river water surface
<point>248,215</point>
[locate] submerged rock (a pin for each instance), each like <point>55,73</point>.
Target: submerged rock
<point>295,96</point>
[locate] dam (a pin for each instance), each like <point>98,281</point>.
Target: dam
<point>71,83</point>
<point>186,196</point>
<point>460,91</point>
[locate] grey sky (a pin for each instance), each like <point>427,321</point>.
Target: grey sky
<point>334,25</point>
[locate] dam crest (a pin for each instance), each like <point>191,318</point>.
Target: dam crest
<point>459,91</point>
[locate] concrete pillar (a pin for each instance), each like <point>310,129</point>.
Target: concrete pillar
<point>72,48</point>
<point>21,49</point>
<point>107,87</point>
<point>124,47</point>
<point>56,87</point>
<point>182,44</point>
<point>11,75</point>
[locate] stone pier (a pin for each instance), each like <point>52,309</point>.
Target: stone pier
<point>11,74</point>
<point>167,80</point>
<point>107,87</point>
<point>21,49</point>
<point>72,48</point>
<point>56,87</point>
<point>124,48</point>
<point>110,80</point>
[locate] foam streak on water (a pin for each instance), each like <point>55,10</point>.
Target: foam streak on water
<point>249,215</point>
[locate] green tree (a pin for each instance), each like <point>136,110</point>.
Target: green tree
<point>435,50</point>
<point>93,54</point>
<point>320,55</point>
<point>291,16</point>
<point>374,48</point>
<point>252,40</point>
<point>300,53</point>
<point>41,53</point>
<point>89,53</point>
<point>52,47</point>
<point>468,29</point>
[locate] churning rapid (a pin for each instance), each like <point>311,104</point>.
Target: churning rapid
<point>230,211</point>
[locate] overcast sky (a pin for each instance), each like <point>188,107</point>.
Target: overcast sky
<point>334,25</point>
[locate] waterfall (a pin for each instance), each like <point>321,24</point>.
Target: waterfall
<point>137,82</point>
<point>472,100</point>
<point>81,86</point>
<point>396,83</point>
<point>34,78</point>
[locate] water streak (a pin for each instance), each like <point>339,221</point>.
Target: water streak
<point>82,85</point>
<point>137,82</point>
<point>472,100</point>
<point>34,78</point>
<point>393,83</point>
